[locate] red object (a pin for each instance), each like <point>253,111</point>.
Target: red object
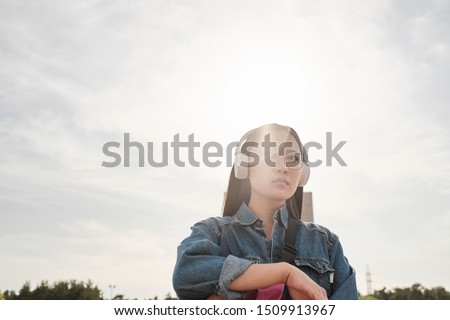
<point>274,292</point>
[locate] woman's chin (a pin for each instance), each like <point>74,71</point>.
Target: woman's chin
<point>281,195</point>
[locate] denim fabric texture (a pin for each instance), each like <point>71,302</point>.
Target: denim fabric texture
<point>220,249</point>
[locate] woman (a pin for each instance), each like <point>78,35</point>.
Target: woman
<point>245,250</point>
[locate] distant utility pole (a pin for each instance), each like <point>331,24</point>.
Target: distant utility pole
<point>111,287</point>
<point>368,281</point>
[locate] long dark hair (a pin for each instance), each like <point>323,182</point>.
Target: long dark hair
<point>239,190</point>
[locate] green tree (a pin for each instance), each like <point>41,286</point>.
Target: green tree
<point>415,292</point>
<point>437,293</point>
<point>62,290</point>
<point>169,297</point>
<point>9,295</point>
<point>25,292</point>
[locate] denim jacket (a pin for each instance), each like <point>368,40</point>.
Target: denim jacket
<point>220,249</point>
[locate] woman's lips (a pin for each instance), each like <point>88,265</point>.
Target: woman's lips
<point>281,180</point>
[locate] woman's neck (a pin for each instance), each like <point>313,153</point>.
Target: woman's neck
<point>263,207</point>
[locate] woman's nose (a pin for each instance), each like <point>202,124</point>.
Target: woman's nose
<point>281,164</point>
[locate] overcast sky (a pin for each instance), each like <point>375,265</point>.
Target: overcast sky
<point>76,75</point>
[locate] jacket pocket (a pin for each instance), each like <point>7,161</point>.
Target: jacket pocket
<point>319,270</point>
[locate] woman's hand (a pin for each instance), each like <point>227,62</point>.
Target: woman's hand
<point>262,275</point>
<point>302,287</point>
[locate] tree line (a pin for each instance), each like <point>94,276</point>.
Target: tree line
<point>415,292</point>
<point>62,290</point>
<point>79,290</point>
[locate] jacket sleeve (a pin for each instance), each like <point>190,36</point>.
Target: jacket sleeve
<point>344,284</point>
<point>202,270</point>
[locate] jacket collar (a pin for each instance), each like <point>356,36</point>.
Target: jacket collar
<point>245,215</point>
